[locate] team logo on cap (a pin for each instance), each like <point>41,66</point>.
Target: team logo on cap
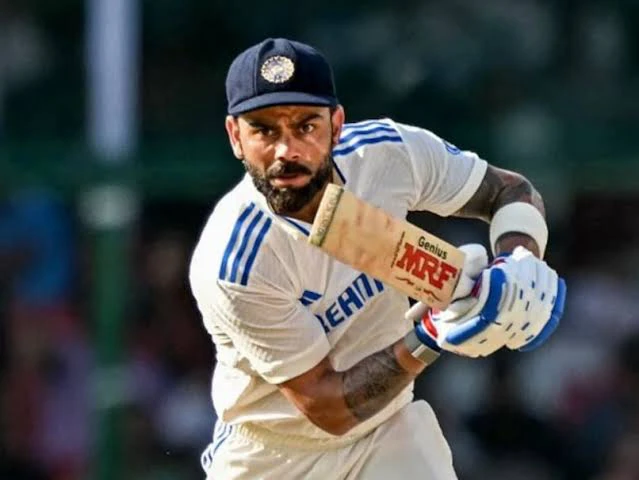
<point>277,69</point>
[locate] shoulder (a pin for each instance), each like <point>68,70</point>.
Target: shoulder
<point>386,138</point>
<point>237,245</point>
<point>368,135</point>
<point>233,236</point>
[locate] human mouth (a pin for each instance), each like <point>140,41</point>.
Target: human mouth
<point>288,180</point>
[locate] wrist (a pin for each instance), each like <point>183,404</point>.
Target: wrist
<point>507,243</point>
<point>519,217</point>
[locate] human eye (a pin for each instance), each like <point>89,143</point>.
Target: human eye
<point>263,131</point>
<point>307,127</point>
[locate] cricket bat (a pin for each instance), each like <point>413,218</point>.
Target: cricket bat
<point>389,249</point>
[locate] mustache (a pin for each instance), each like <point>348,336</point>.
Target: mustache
<point>286,168</point>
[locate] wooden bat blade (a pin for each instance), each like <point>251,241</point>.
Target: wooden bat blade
<point>389,249</point>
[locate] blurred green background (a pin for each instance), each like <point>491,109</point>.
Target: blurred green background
<point>112,153</point>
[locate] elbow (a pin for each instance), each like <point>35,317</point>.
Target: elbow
<point>330,418</point>
<point>336,428</point>
<point>338,432</point>
<point>317,394</point>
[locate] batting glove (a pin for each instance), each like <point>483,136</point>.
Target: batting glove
<point>517,302</point>
<point>459,328</point>
<point>534,307</point>
<point>467,327</point>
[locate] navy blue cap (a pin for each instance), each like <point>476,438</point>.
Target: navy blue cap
<point>279,72</point>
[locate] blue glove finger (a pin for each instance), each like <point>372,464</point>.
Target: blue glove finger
<point>553,322</point>
<point>487,314</point>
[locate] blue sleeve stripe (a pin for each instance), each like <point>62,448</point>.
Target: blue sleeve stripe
<point>233,240</point>
<point>256,247</point>
<point>367,123</point>
<point>366,141</point>
<point>245,240</point>
<point>348,135</point>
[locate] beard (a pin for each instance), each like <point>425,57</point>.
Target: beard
<point>289,200</point>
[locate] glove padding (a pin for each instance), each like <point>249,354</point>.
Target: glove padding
<point>475,261</point>
<point>468,326</point>
<point>448,329</point>
<point>533,312</point>
<point>517,302</point>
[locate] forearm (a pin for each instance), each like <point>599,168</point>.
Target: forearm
<point>372,383</point>
<point>498,189</point>
<point>521,191</point>
<point>340,400</point>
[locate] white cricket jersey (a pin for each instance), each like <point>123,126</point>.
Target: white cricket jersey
<point>275,306</point>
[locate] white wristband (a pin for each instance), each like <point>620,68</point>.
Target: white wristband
<point>519,217</point>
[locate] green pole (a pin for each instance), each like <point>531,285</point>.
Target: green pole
<point>112,53</point>
<point>109,210</point>
<point>109,305</point>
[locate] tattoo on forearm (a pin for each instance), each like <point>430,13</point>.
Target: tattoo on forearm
<point>479,205</point>
<point>372,383</point>
<point>499,188</point>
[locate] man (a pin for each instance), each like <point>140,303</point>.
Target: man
<point>316,361</point>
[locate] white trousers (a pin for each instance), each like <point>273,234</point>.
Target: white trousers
<point>410,444</point>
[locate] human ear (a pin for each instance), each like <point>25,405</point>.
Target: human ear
<point>233,131</point>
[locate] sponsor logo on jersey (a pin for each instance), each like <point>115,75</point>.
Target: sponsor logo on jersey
<point>309,297</point>
<point>350,301</point>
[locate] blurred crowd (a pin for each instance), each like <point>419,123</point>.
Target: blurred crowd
<point>544,87</point>
<point>48,372</point>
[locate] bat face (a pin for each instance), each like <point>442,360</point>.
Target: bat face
<point>423,267</point>
<point>392,250</point>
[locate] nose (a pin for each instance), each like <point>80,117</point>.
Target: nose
<point>288,149</point>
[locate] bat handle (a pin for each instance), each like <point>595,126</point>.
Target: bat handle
<point>416,312</point>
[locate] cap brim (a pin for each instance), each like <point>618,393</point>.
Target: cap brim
<point>282,98</point>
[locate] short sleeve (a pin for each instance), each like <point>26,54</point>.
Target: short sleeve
<point>278,336</point>
<point>444,177</point>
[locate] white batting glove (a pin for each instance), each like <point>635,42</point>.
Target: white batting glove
<point>475,261</point>
<point>535,305</point>
<point>467,311</point>
<point>467,327</point>
<point>516,302</point>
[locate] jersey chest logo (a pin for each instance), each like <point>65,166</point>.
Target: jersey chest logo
<point>354,297</point>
